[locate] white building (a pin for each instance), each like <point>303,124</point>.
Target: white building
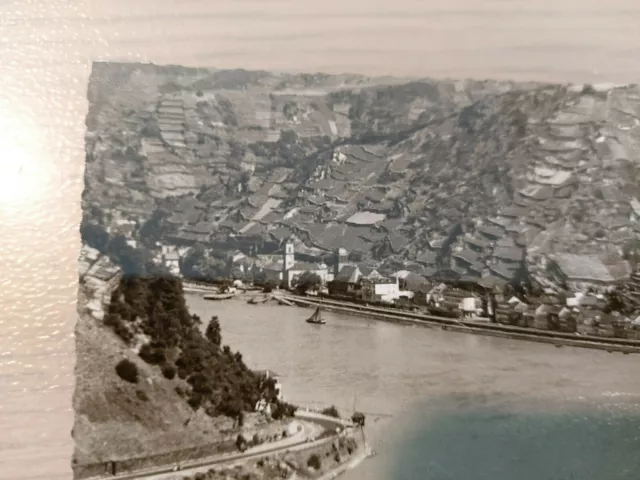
<point>381,290</point>
<point>471,307</point>
<point>292,269</point>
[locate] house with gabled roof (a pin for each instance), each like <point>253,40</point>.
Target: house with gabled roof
<point>346,281</point>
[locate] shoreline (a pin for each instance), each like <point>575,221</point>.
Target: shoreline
<point>363,454</point>
<point>559,339</point>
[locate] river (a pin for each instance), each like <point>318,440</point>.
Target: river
<point>49,46</point>
<point>462,406</point>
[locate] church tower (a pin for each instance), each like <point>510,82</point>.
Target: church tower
<point>288,261</point>
<point>341,259</point>
<point>289,254</point>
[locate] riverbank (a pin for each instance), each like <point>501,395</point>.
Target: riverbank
<point>324,459</point>
<point>558,339</point>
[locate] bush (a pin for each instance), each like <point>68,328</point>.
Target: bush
<point>169,371</point>
<point>283,410</point>
<point>195,400</point>
<point>152,354</point>
<point>117,325</point>
<point>358,418</point>
<point>241,443</point>
<point>332,411</point>
<point>127,371</point>
<point>142,396</point>
<point>314,462</point>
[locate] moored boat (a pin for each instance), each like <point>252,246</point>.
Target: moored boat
<point>219,296</point>
<point>316,318</point>
<point>256,300</point>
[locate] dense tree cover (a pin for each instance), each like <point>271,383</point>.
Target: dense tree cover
<point>306,281</point>
<point>198,264</point>
<point>331,411</point>
<point>94,235</point>
<point>616,303</point>
<point>152,229</point>
<point>220,382</point>
<point>133,261</point>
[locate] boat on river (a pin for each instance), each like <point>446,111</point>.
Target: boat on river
<point>316,318</point>
<point>219,296</point>
<point>255,300</point>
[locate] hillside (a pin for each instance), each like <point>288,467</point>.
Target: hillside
<point>187,389</point>
<point>395,171</point>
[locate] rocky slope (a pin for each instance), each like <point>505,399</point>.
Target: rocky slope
<point>408,170</point>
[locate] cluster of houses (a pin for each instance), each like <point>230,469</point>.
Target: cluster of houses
<point>592,278</point>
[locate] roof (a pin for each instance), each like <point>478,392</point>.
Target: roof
<point>491,282</point>
<point>503,271</point>
<point>509,253</point>
<point>365,218</point>
<point>429,257</point>
<point>592,268</point>
<point>307,267</point>
<point>491,231</point>
<point>467,256</point>
<point>348,273</point>
<point>415,283</point>
<point>402,274</point>
<point>475,241</point>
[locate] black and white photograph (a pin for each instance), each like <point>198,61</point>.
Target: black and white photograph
<point>291,275</point>
<point>294,240</point>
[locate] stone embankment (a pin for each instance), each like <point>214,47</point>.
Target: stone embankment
<point>558,339</point>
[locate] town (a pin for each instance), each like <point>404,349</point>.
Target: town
<point>569,293</point>
<point>517,203</point>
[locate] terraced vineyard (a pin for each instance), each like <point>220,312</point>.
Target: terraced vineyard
<point>464,176</point>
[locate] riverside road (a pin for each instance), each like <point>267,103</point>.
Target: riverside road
<point>311,426</point>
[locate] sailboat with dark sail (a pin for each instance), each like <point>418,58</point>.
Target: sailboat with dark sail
<point>316,318</point>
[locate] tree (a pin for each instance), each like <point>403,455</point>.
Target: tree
<point>615,303</point>
<point>241,443</point>
<point>259,278</point>
<point>198,265</point>
<point>213,333</point>
<point>314,462</point>
<point>331,411</point>
<point>358,418</point>
<point>151,231</point>
<point>127,370</point>
<point>132,261</point>
<point>306,281</point>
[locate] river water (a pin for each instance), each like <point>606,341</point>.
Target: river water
<point>444,405</point>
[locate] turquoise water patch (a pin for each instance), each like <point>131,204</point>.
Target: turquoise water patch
<point>484,443</point>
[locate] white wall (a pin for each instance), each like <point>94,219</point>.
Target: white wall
<point>387,291</point>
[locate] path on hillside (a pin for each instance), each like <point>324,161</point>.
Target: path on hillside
<point>310,428</point>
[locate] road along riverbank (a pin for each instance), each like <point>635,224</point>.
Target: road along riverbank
<point>558,339</point>
<point>316,430</point>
